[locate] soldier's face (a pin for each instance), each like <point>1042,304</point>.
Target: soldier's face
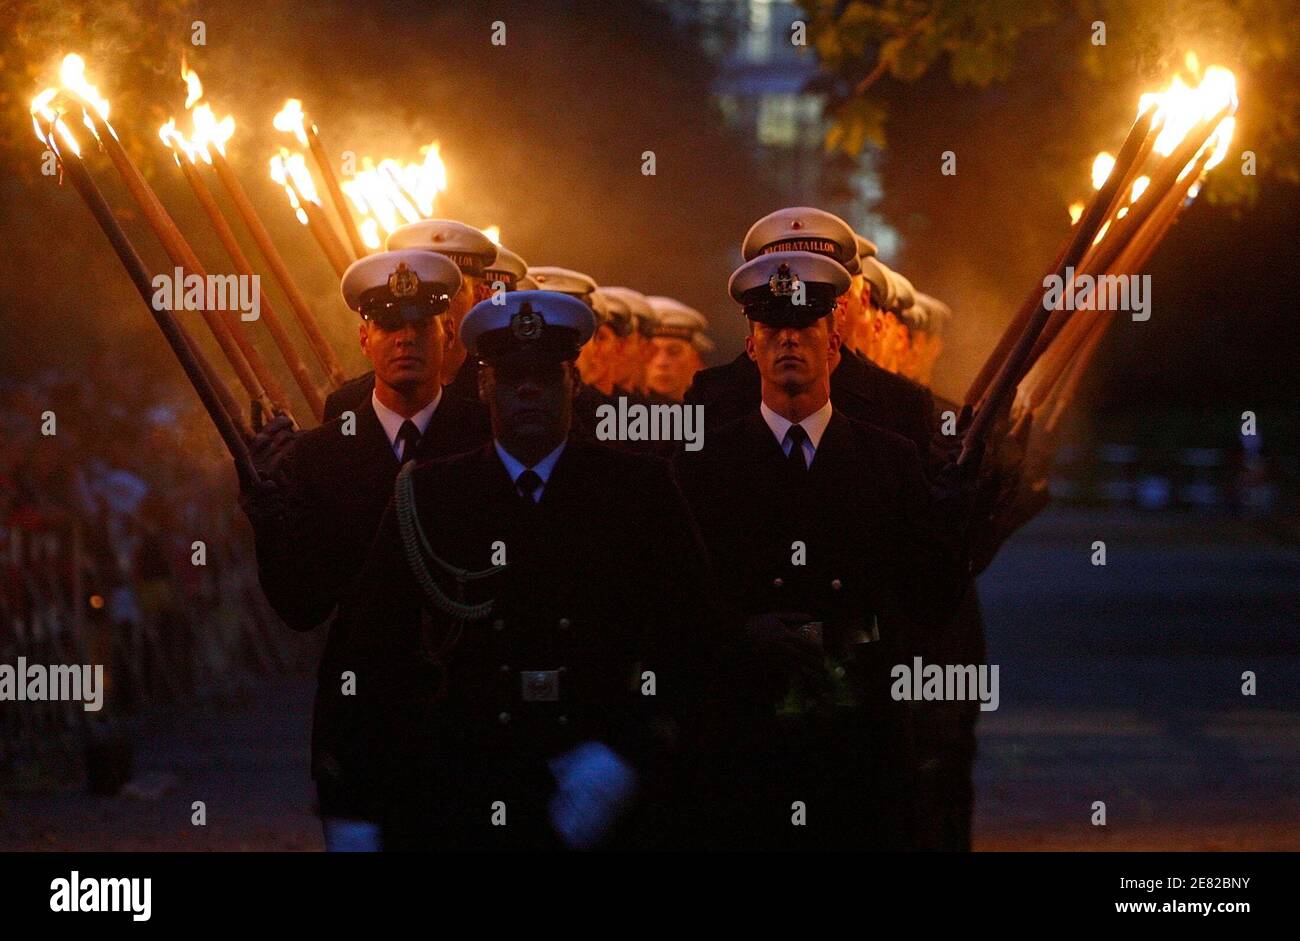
<point>849,314</point>
<point>597,358</point>
<point>793,359</point>
<point>674,365</point>
<point>626,361</point>
<point>409,357</point>
<point>531,403</point>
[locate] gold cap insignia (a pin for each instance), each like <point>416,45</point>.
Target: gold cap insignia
<point>784,283</point>
<point>403,282</point>
<point>526,323</point>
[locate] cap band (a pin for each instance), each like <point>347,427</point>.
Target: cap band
<point>817,246</point>
<point>469,264</point>
<point>675,333</point>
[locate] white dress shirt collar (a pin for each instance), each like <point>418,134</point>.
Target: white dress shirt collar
<point>542,468</point>
<point>815,425</point>
<point>392,422</point>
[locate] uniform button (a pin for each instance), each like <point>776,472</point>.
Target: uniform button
<point>504,718</point>
<point>565,624</point>
<point>563,720</point>
<point>836,584</point>
<point>498,625</point>
<point>778,582</point>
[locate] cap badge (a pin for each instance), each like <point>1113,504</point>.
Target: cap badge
<point>526,323</point>
<point>404,282</point>
<point>784,283</point>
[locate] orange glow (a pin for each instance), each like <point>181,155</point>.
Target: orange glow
<point>1182,105</point>
<point>393,192</point>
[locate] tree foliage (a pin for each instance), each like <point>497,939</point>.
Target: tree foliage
<point>862,47</point>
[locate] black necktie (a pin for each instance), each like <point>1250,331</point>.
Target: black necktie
<point>795,458</point>
<point>528,483</point>
<point>409,435</point>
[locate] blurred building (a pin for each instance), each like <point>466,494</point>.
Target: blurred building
<point>762,87</point>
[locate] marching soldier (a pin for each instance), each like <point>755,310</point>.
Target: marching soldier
<point>515,686</point>
<point>633,350</point>
<point>678,340</point>
<point>504,272</point>
<point>474,255</point>
<point>832,553</point>
<point>598,357</point>
<point>927,342</point>
<point>325,489</point>
<point>873,283</point>
<point>861,389</point>
<point>894,339</point>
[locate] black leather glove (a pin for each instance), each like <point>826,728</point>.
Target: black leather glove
<point>264,498</point>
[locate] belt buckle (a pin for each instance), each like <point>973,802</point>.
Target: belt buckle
<point>539,685</point>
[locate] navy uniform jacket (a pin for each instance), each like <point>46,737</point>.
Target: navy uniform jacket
<point>349,396</point>
<point>335,488</point>
<point>596,586</point>
<point>874,553</point>
<point>859,389</point>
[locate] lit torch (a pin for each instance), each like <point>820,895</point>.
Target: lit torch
<point>1197,129</point>
<point>217,399</point>
<point>213,135</point>
<point>243,358</point>
<point>290,171</point>
<point>291,120</point>
<point>192,153</point>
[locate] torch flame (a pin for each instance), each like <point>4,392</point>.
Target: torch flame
<point>173,138</point>
<point>72,76</point>
<point>291,120</point>
<point>493,232</point>
<point>290,171</point>
<point>1182,106</point>
<point>208,131</point>
<point>370,233</point>
<point>72,80</point>
<point>391,193</point>
<point>1102,164</point>
<point>42,111</point>
<point>1076,211</point>
<point>193,87</point>
<point>1178,109</point>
